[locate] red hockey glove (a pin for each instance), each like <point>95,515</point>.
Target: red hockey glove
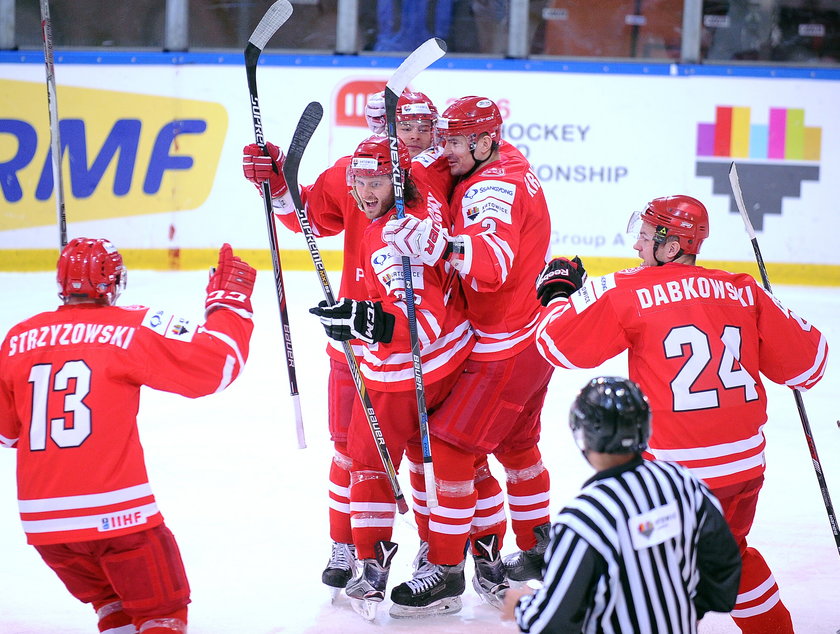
<point>259,167</point>
<point>560,278</point>
<point>231,284</point>
<point>350,319</point>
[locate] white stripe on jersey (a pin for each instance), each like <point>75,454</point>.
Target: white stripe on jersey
<point>84,522</point>
<point>712,451</point>
<point>808,377</point>
<point>91,500</point>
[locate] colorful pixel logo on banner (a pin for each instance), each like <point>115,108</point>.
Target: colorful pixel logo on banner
<point>773,159</point>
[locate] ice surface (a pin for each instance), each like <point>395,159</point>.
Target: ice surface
<point>249,509</point>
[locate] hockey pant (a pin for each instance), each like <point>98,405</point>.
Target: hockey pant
<point>758,607</point>
<point>134,581</point>
<point>341,398</point>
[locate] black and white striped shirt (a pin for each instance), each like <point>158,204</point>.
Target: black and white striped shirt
<point>643,548</point>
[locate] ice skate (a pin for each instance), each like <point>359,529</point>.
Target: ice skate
<point>432,590</point>
<point>367,590</point>
<point>490,580</point>
<point>421,560</point>
<point>340,568</point>
<point>528,564</point>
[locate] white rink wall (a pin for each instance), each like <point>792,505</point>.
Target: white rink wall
<point>155,146</point>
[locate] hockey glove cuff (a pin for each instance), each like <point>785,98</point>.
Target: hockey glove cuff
<point>350,319</point>
<point>259,166</point>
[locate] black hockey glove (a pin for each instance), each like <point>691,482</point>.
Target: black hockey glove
<point>351,319</point>
<point>560,278</point>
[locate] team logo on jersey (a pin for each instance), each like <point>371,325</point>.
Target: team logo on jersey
<point>773,158</point>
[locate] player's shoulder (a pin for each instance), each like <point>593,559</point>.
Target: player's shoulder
<point>168,324</point>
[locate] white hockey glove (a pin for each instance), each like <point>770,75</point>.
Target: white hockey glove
<point>350,319</point>
<point>375,113</point>
<point>409,236</point>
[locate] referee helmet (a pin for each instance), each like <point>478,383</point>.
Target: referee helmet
<point>611,415</point>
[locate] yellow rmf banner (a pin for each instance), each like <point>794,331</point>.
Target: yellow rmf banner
<point>125,154</point>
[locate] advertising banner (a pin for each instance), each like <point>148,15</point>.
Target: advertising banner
<point>152,153</point>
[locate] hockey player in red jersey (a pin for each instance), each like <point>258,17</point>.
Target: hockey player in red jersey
<point>330,210</point>
<point>379,318</point>
<point>70,384</point>
<point>496,241</point>
<point>698,340</point>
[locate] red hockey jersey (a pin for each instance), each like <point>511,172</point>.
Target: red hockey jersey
<point>501,212</point>
<point>443,331</point>
<point>69,395</point>
<point>697,340</point>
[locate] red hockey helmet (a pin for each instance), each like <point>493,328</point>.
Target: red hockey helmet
<point>415,106</point>
<point>471,116</point>
<point>373,158</point>
<point>681,216</point>
<point>91,268</point>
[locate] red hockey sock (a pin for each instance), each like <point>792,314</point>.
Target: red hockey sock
<point>112,617</point>
<point>174,623</point>
<point>450,521</point>
<point>759,608</point>
<point>490,517</point>
<point>372,509</point>
<point>528,487</point>
<point>416,477</point>
<point>340,495</point>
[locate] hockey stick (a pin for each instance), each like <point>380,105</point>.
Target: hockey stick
<point>800,405</point>
<point>55,137</point>
<point>309,120</point>
<point>273,19</point>
<point>423,56</point>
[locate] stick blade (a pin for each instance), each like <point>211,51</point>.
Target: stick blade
<point>421,58</point>
<point>306,126</point>
<point>273,19</point>
<point>739,199</point>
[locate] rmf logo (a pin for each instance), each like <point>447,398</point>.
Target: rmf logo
<point>123,154</point>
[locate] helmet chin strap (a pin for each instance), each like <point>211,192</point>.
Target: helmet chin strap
<point>478,163</point>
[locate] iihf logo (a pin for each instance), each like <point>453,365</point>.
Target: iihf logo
<point>773,158</point>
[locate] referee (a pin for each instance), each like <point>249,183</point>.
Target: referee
<point>643,548</point>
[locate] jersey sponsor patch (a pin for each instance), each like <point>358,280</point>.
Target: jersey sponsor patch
<point>654,527</point>
<point>589,293</point>
<point>488,199</point>
<point>168,325</point>
<point>389,271</point>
